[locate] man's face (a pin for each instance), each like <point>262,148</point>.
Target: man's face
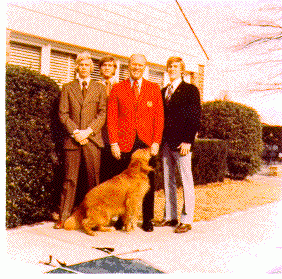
<point>137,66</point>
<point>107,70</point>
<point>174,71</point>
<point>84,68</point>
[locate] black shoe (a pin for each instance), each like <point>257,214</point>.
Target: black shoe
<point>119,224</point>
<point>148,226</point>
<point>164,223</point>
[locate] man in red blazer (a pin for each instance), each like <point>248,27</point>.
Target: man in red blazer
<point>136,120</point>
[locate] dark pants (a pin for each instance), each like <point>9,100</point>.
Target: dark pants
<point>123,163</point>
<point>109,166</point>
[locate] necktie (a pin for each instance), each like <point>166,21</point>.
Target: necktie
<point>84,89</point>
<point>108,87</point>
<point>135,89</point>
<point>169,93</point>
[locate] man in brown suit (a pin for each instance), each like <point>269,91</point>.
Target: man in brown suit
<point>82,111</point>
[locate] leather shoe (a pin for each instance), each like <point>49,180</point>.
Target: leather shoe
<point>148,226</point>
<point>119,224</point>
<point>182,228</point>
<point>59,225</point>
<point>164,223</point>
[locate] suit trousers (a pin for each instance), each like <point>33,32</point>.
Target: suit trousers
<point>172,160</point>
<point>123,163</point>
<point>73,158</point>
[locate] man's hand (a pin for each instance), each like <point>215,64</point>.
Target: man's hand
<point>83,142</point>
<point>184,148</point>
<point>116,151</point>
<point>154,149</point>
<point>82,135</point>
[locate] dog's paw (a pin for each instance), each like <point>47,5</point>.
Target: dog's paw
<point>129,227</point>
<point>88,227</point>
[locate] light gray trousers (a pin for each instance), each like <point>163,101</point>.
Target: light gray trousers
<point>171,161</point>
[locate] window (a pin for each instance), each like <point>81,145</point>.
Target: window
<point>156,76</point>
<point>62,67</point>
<point>123,72</point>
<point>95,75</point>
<point>25,55</point>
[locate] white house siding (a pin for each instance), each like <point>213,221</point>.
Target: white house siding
<point>158,30</point>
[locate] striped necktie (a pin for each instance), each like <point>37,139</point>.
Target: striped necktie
<point>169,93</point>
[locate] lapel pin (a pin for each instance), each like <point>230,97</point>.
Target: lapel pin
<point>149,104</point>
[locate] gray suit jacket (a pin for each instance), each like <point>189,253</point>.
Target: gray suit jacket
<point>76,113</point>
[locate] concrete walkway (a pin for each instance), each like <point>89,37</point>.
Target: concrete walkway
<point>244,242</point>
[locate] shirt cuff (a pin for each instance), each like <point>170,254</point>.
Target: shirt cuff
<point>114,144</point>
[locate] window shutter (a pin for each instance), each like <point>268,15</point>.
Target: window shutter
<point>62,67</point>
<point>95,75</point>
<point>157,77</point>
<point>25,55</point>
<point>123,72</point>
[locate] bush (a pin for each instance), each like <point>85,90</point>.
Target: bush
<point>240,127</point>
<point>209,161</point>
<point>31,158</point>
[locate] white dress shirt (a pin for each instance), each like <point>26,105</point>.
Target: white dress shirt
<point>173,85</point>
<point>139,83</point>
<point>112,80</point>
<point>86,79</point>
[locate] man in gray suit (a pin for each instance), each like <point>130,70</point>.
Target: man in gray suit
<point>82,111</point>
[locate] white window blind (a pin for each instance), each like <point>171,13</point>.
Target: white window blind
<point>62,67</point>
<point>95,75</point>
<point>156,76</point>
<point>123,72</point>
<point>25,55</point>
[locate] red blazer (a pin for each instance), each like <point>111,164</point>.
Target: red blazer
<point>127,115</point>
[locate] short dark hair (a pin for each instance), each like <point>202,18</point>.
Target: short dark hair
<point>107,58</point>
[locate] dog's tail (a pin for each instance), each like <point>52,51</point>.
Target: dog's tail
<point>75,220</point>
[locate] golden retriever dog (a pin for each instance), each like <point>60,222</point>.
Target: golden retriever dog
<point>120,196</point>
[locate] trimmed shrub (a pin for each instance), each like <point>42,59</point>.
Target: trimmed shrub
<point>241,128</point>
<point>209,161</point>
<point>31,157</point>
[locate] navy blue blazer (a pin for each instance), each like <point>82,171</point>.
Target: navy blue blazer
<point>182,115</point>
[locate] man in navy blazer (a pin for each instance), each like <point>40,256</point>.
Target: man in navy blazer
<point>182,108</point>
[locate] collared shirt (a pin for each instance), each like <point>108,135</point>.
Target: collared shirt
<point>112,80</point>
<point>173,85</point>
<point>139,82</point>
<point>81,80</point>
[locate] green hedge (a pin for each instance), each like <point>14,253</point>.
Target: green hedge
<point>208,163</point>
<point>31,157</point>
<point>240,127</point>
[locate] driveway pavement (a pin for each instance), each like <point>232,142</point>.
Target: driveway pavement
<point>247,242</point>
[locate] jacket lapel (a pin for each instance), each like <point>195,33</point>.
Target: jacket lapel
<point>90,92</point>
<point>177,91</point>
<point>77,91</point>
